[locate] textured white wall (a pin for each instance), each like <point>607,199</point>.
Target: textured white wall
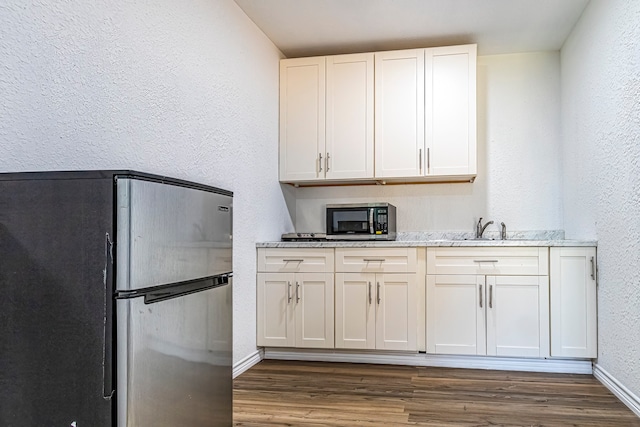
<point>518,160</point>
<point>601,169</point>
<point>182,88</point>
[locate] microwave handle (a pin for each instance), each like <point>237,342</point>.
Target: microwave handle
<point>371,220</point>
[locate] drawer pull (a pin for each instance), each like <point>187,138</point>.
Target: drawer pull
<point>374,259</point>
<point>288,292</point>
<point>378,292</point>
<point>369,293</point>
<point>480,293</point>
<point>297,292</point>
<point>485,260</point>
<point>292,260</point>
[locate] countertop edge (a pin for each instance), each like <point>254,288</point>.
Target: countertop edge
<point>431,243</point>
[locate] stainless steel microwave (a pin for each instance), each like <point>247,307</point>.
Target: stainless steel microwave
<point>361,221</point>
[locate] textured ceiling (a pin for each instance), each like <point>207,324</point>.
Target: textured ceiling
<point>324,27</point>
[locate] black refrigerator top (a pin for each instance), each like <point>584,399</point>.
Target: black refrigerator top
<point>102,174</point>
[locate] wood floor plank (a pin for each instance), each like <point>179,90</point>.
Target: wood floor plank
<point>313,394</point>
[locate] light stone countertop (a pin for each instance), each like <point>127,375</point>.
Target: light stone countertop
<point>428,243</point>
<point>447,239</point>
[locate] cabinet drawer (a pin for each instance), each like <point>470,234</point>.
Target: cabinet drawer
<point>388,260</point>
<point>315,260</point>
<point>493,261</point>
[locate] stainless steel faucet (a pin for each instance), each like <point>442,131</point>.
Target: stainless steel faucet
<point>480,228</point>
<point>503,231</point>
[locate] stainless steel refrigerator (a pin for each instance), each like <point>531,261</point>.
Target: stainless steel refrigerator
<point>117,300</point>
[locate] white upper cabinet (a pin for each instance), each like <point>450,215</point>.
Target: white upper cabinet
<point>399,113</point>
<point>349,125</point>
<point>450,110</point>
<point>302,119</point>
<point>326,118</point>
<point>396,116</point>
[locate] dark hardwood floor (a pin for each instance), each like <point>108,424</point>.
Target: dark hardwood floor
<point>284,393</point>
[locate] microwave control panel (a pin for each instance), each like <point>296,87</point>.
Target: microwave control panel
<point>381,222</point>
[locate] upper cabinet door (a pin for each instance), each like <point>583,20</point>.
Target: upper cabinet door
<point>450,110</point>
<point>349,127</point>
<point>302,119</point>
<point>399,113</point>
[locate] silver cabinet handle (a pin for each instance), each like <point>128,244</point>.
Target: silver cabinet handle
<point>292,260</point>
<point>428,160</point>
<point>297,292</point>
<point>374,259</point>
<point>485,260</point>
<point>490,296</point>
<point>320,162</point>
<point>480,296</point>
<point>326,163</point>
<point>378,292</point>
<point>593,268</point>
<point>420,159</point>
<point>369,293</point>
<point>288,292</point>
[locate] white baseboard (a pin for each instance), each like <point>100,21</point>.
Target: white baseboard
<point>621,392</point>
<point>421,359</point>
<point>246,363</point>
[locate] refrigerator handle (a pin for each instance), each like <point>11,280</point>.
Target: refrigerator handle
<point>107,344</point>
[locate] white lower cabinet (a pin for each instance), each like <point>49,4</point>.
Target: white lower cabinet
<point>295,297</point>
<point>527,302</point>
<point>517,310</point>
<point>376,311</point>
<point>295,310</point>
<point>488,315</point>
<point>498,313</point>
<point>455,321</point>
<point>573,302</point>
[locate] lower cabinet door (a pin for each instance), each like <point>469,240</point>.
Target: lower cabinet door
<point>376,311</point>
<point>517,316</point>
<point>573,302</point>
<point>355,311</point>
<point>276,310</point>
<point>396,312</point>
<point>455,314</point>
<point>314,317</point>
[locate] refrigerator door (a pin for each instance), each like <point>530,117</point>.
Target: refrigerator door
<point>170,233</point>
<point>174,354</point>
<point>179,358</point>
